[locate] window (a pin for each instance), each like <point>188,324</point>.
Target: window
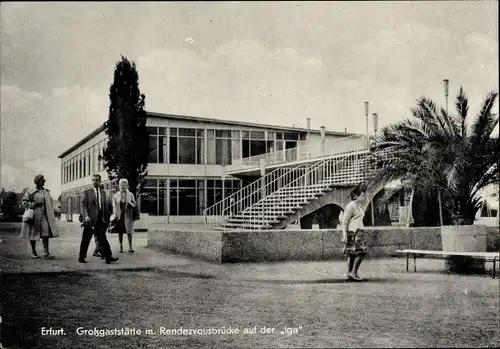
<point>186,197</point>
<point>99,162</point>
<point>223,151</point>
<point>254,143</point>
<point>211,147</point>
<point>150,183</point>
<point>157,145</point>
<point>257,135</point>
<point>88,162</point>
<point>162,202</point>
<point>96,161</point>
<point>91,161</point>
<point>84,163</point>
<point>232,186</point>
<point>200,147</point>
<point>149,198</point>
<point>162,149</point>
<point>291,136</point>
<point>153,149</point>
<point>187,150</point>
<point>80,166</point>
<point>215,193</point>
<point>101,154</point>
<point>174,149</point>
<point>187,146</point>
<point>76,167</point>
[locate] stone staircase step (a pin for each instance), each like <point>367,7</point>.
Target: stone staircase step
<point>285,201</point>
<point>283,207</point>
<point>247,226</point>
<point>267,212</point>
<point>254,219</point>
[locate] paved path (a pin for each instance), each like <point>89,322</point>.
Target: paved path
<point>15,257</point>
<point>15,254</point>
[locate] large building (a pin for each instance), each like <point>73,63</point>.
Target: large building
<point>194,162</point>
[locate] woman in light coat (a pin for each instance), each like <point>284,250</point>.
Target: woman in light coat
<point>353,235</point>
<point>43,226</point>
<point>123,210</point>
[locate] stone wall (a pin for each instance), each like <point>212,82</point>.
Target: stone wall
<point>204,245</point>
<point>279,245</point>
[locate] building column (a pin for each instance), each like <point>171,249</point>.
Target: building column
<point>168,200</point>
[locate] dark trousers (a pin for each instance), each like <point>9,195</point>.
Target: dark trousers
<point>100,233</point>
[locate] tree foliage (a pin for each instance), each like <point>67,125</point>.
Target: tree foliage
<point>10,206</point>
<point>436,150</point>
<point>127,150</point>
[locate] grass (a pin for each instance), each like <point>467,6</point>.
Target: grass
<point>438,311</point>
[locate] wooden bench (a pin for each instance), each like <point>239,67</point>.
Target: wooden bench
<point>487,256</point>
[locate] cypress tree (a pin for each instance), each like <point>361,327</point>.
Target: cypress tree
<point>127,150</point>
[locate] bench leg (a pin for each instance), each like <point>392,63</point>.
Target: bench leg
<point>494,267</point>
<point>407,262</point>
<point>414,262</point>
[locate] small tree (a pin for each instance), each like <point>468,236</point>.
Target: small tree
<point>10,207</point>
<point>441,152</point>
<point>127,151</point>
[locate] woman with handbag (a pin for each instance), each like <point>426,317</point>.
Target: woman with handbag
<point>39,220</point>
<point>352,234</point>
<point>125,211</point>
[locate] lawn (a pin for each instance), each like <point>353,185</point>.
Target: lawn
<point>427,311</point>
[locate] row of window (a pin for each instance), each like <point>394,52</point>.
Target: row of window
<point>83,164</point>
<point>161,197</point>
<point>188,146</point>
<point>234,134</point>
<point>185,197</point>
<point>71,200</point>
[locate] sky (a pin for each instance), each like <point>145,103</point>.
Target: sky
<point>267,62</point>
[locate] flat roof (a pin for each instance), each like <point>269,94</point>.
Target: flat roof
<point>206,120</point>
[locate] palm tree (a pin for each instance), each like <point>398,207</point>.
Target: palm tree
<point>439,152</point>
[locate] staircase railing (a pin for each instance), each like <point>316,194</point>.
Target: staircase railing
<point>277,179</point>
<point>303,152</point>
<point>276,157</point>
<point>247,196</point>
<point>326,172</point>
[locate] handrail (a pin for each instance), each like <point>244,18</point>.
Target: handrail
<point>214,215</point>
<point>302,152</point>
<point>274,183</point>
<point>271,157</point>
<point>319,173</point>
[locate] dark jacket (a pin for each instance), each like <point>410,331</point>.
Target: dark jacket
<point>90,206</point>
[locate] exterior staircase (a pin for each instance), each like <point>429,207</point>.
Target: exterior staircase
<point>289,193</point>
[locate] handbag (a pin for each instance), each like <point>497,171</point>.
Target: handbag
<point>28,215</point>
<point>112,229</point>
<point>135,214</point>
<point>112,226</point>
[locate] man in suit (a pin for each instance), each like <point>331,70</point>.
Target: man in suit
<point>96,212</point>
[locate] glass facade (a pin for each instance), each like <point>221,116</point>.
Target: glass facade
<point>176,196</point>
<point>184,197</point>
<point>83,164</point>
<point>71,200</point>
<point>193,146</point>
<point>187,145</point>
